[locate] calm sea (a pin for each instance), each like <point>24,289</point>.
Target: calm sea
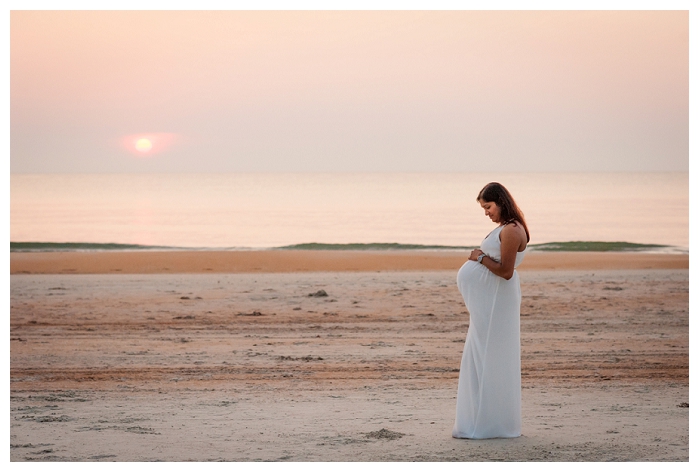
<point>272,210</point>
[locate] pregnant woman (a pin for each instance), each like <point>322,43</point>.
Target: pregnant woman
<point>488,402</point>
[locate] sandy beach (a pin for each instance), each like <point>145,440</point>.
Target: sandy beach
<point>226,262</point>
<point>336,356</point>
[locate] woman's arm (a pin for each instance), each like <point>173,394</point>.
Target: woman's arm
<point>510,241</point>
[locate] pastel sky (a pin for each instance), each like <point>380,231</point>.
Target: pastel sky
<point>349,91</point>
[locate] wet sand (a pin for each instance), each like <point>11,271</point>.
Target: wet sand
<point>247,366</point>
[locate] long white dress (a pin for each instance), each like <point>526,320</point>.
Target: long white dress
<point>488,401</point>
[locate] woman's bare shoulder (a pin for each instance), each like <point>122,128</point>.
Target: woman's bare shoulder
<point>513,226</point>
<point>514,229</point>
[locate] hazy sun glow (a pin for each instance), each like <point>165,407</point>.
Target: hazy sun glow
<point>147,145</point>
<point>144,145</point>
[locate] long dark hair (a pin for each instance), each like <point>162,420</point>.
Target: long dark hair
<point>509,211</point>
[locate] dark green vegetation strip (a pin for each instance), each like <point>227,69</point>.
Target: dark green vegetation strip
<point>577,246</point>
<point>49,247</point>
<point>618,246</point>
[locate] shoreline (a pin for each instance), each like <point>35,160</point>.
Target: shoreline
<point>285,261</point>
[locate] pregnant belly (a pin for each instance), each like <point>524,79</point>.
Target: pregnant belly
<point>476,282</point>
<point>470,273</point>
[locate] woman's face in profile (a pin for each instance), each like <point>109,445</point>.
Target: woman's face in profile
<point>492,211</point>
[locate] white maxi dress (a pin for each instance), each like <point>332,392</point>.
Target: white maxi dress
<point>488,401</point>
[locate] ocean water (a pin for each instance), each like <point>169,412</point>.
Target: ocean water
<point>273,210</point>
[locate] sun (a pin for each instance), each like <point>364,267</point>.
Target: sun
<point>148,145</point>
<point>144,145</point>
